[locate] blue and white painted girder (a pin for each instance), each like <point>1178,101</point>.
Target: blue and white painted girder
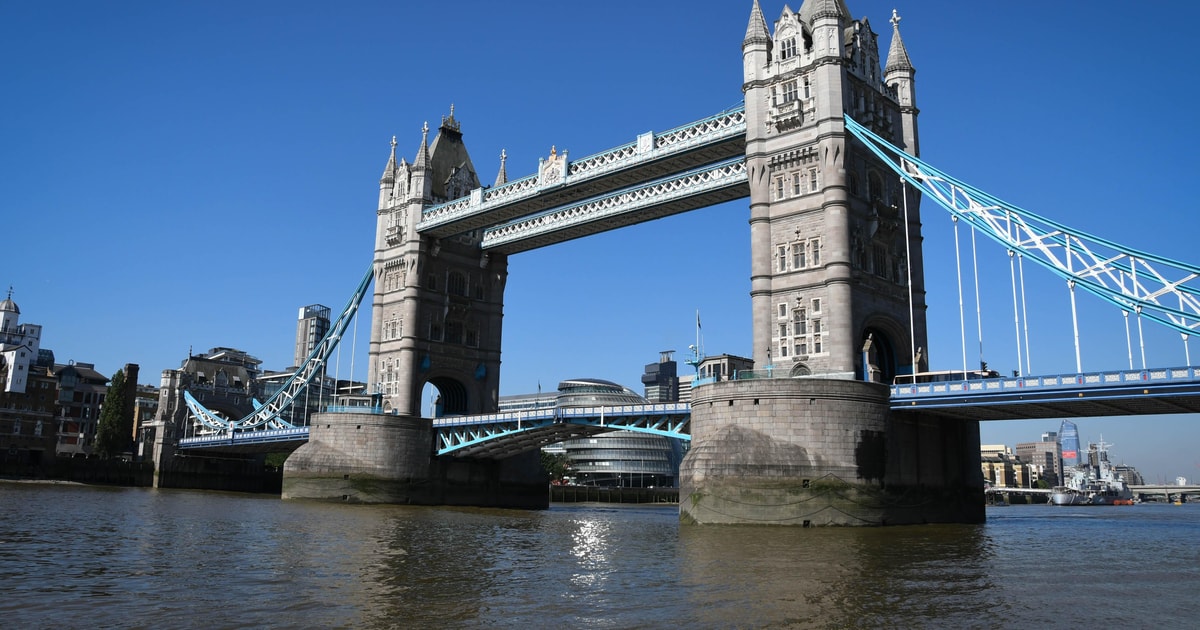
<point>1092,394</point>
<point>266,414</point>
<point>651,156</point>
<point>246,439</point>
<point>501,435</point>
<point>702,187</point>
<point>1158,288</point>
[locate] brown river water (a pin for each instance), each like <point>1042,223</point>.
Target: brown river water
<point>93,557</point>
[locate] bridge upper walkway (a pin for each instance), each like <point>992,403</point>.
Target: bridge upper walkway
<point>651,157</point>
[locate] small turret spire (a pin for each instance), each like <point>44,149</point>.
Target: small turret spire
<point>389,171</point>
<point>897,54</point>
<point>502,176</point>
<point>756,30</point>
<point>422,160</point>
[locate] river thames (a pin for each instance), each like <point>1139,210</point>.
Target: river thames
<point>85,557</point>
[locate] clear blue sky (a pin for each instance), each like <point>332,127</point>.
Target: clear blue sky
<point>187,174</point>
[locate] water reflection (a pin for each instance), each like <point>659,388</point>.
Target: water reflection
<point>143,558</point>
<point>838,577</point>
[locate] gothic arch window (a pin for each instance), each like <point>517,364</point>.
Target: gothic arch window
<point>874,186</point>
<point>853,181</point>
<point>787,48</point>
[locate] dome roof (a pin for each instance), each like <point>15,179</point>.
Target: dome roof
<point>9,305</point>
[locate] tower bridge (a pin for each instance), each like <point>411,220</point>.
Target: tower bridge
<point>827,151</point>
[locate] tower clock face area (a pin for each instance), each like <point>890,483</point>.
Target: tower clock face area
<point>840,289</point>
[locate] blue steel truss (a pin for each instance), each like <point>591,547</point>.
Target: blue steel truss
<point>266,415</point>
<point>504,434</point>
<point>1158,288</point>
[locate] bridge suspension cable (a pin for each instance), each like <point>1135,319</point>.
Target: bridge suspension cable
<point>1158,288</point>
<point>267,414</point>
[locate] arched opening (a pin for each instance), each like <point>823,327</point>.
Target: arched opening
<point>879,362</point>
<point>800,369</point>
<point>442,396</point>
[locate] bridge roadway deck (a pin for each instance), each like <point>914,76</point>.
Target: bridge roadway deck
<point>498,435</point>
<point>488,436</point>
<point>1096,394</point>
<point>650,157</point>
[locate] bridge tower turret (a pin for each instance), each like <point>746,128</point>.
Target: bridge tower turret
<point>832,268</point>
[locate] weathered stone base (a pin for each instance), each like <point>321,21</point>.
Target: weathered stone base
<point>370,458</point>
<point>216,472</point>
<point>813,452</point>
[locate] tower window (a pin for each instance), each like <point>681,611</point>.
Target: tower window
<point>779,188</point>
<point>816,305</point>
<point>790,92</point>
<point>796,181</point>
<point>782,258</point>
<point>875,186</point>
<point>456,284</point>
<point>798,255</point>
<point>787,48</point>
<point>816,257</point>
<point>807,88</point>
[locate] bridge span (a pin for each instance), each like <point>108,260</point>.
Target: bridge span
<point>500,435</point>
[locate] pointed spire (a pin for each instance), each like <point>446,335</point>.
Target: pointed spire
<point>756,30</point>
<point>422,160</point>
<point>502,176</point>
<point>389,171</point>
<point>897,54</point>
<point>813,9</point>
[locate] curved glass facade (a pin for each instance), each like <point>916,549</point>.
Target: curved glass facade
<point>621,458</point>
<point>1068,442</point>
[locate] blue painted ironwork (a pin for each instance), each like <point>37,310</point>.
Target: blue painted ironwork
<point>652,200</point>
<point>652,155</point>
<point>1113,393</point>
<point>267,414</point>
<point>266,436</point>
<point>1133,280</point>
<point>515,431</point>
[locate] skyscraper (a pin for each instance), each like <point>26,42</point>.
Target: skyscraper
<point>1068,443</point>
<point>311,327</point>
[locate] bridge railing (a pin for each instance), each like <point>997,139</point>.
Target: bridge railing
<point>786,373</point>
<point>1158,376</point>
<point>266,435</point>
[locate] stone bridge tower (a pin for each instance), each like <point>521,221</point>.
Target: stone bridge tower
<point>435,318</point>
<point>438,303</point>
<point>836,244</point>
<point>837,290</point>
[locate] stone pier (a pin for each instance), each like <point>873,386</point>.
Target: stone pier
<point>382,458</point>
<point>819,452</point>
